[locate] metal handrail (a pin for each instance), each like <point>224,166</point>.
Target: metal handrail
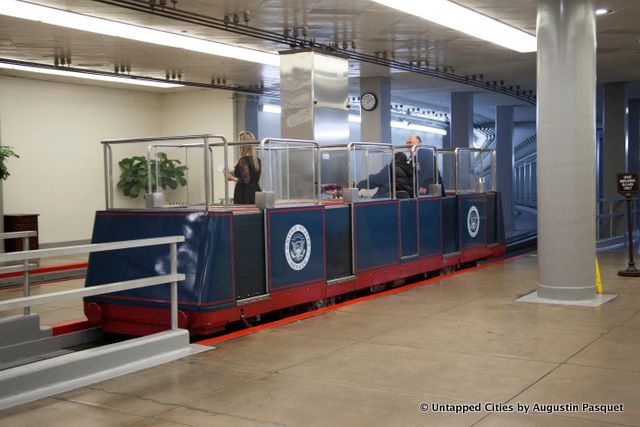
<point>315,172</point>
<point>607,210</point>
<point>26,266</point>
<point>457,152</point>
<point>108,160</point>
<point>415,149</point>
<point>17,235</point>
<point>354,145</point>
<point>88,292</point>
<point>27,301</point>
<point>152,147</point>
<point>92,247</point>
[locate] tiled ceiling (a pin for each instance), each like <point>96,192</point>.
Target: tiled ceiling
<point>373,27</point>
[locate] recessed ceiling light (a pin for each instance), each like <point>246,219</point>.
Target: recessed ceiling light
<point>271,108</point>
<point>76,21</point>
<point>460,18</point>
<point>397,124</point>
<point>89,76</point>
<point>602,11</point>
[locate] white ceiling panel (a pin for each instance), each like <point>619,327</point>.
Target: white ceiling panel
<point>373,27</point>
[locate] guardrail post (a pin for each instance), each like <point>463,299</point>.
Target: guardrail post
<point>174,287</point>
<point>25,277</point>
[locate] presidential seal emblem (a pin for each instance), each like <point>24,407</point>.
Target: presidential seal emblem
<point>297,247</point>
<point>473,221</point>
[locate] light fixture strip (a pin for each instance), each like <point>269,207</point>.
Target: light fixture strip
<point>76,21</point>
<point>272,108</point>
<point>88,76</point>
<point>468,21</point>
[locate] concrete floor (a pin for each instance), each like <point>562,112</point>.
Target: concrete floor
<point>462,339</point>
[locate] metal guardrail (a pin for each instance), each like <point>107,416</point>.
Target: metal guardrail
<point>481,171</point>
<point>25,267</point>
<point>611,214</point>
<point>206,138</point>
<point>173,277</point>
<point>273,144</point>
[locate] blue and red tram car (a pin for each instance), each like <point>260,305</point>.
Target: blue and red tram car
<point>242,262</point>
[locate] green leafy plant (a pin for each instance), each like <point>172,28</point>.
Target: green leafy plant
<point>5,153</point>
<point>133,178</point>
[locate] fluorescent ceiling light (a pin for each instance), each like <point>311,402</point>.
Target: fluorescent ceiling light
<point>419,128</point>
<point>602,11</point>
<point>270,108</point>
<point>67,73</point>
<point>62,18</point>
<point>452,15</point>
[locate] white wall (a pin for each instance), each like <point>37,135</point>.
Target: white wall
<point>56,129</point>
<point>199,112</point>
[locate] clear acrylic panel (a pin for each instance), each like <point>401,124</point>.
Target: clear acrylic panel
<point>404,172</point>
<point>289,170</point>
<point>469,171</point>
<point>475,169</point>
<point>425,160</point>
<point>370,169</point>
<point>334,166</point>
<point>174,169</point>
<point>447,169</point>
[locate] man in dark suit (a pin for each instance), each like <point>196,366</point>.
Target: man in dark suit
<point>424,167</point>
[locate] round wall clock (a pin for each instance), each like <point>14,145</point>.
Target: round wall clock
<point>368,101</point>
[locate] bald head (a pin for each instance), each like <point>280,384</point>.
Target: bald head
<point>414,140</point>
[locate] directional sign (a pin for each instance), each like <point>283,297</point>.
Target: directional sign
<point>627,184</point>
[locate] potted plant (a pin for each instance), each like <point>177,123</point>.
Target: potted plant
<point>134,177</point>
<point>5,153</point>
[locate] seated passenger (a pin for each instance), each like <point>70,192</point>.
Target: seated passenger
<point>378,180</point>
<point>404,179</point>
<point>404,176</point>
<point>246,173</point>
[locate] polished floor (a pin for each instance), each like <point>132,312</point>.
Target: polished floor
<point>460,340</point>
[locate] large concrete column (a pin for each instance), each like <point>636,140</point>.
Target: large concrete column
<point>375,125</point>
<point>633,159</point>
<point>461,120</point>
<point>614,149</point>
<point>566,149</point>
<point>504,160</point>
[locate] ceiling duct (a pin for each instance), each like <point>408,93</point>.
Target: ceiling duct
<point>313,89</point>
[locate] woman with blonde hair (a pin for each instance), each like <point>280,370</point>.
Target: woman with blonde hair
<point>246,173</point>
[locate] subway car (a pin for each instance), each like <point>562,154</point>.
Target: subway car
<point>312,235</point>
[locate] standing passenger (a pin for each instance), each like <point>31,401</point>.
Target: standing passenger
<point>246,173</point>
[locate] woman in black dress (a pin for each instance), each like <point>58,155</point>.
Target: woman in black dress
<point>246,173</point>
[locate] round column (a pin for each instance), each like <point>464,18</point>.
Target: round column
<point>566,32</point>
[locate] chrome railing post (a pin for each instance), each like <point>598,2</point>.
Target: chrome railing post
<point>226,170</point>
<point>25,277</point>
<point>174,286</point>
<point>107,182</point>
